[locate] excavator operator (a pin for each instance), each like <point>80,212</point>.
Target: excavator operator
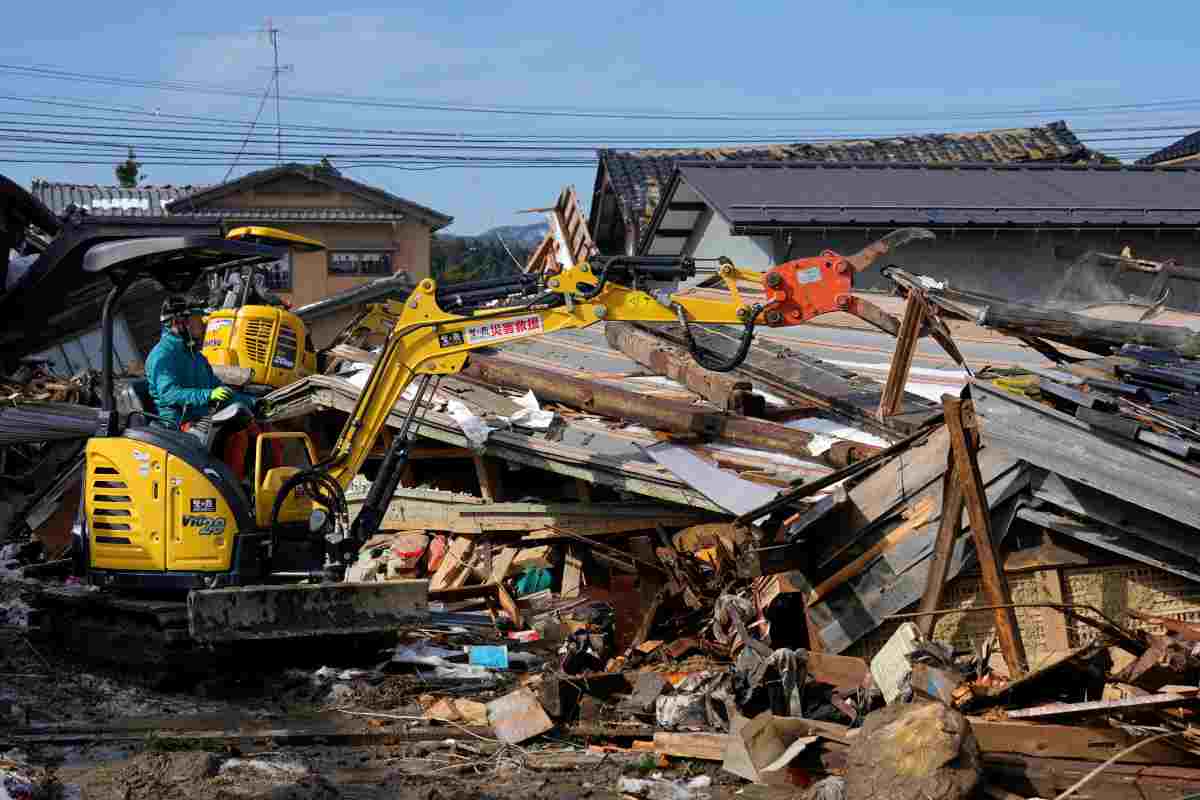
<point>182,382</point>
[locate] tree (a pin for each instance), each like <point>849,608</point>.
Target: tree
<point>129,172</point>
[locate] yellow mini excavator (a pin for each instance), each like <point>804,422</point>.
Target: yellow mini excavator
<point>251,328</point>
<point>161,512</point>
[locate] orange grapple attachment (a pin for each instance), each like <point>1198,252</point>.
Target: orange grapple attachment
<point>804,288</point>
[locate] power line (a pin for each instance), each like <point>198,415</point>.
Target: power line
<point>222,123</point>
<point>55,73</point>
<point>257,114</point>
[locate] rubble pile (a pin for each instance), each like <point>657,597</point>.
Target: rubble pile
<point>672,581</point>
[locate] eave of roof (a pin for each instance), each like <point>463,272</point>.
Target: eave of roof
<point>767,196</point>
<point>330,177</point>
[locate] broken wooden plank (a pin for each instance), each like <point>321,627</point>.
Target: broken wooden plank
<point>489,471</point>
<point>1047,740</point>
<point>953,502</point>
<point>902,356</point>
<point>898,577</point>
<point>1105,706</point>
<point>455,565</point>
<point>1034,776</point>
<point>915,519</point>
<point>705,746</point>
<point>959,416</point>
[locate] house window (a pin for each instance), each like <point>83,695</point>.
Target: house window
<point>278,274</point>
<point>360,262</point>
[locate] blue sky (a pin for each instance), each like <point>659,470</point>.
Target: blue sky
<point>855,68</point>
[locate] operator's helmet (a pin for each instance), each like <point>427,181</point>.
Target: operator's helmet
<point>178,306</point>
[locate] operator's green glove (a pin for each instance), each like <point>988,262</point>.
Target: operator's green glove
<point>221,394</point>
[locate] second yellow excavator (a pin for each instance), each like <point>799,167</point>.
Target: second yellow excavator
<point>248,326</point>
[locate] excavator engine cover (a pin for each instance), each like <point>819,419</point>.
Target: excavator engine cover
<point>271,342</point>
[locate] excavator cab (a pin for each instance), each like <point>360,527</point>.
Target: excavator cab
<point>160,510</point>
<point>248,326</point>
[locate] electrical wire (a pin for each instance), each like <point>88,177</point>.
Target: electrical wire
<point>57,73</point>
<point>261,104</point>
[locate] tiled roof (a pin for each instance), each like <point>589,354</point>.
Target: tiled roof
<point>320,214</point>
<point>773,195</point>
<point>639,176</point>
<point>205,198</point>
<point>203,201</point>
<point>1187,146</point>
<point>108,201</point>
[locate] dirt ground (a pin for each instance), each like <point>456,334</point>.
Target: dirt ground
<point>83,730</point>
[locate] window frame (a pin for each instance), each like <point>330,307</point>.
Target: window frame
<point>291,272</point>
<point>388,254</point>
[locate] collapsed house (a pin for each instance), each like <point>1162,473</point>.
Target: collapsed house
<point>740,567</point>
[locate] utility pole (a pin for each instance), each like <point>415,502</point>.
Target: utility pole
<point>273,32</point>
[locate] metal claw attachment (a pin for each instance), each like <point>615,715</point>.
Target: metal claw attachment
<point>897,238</point>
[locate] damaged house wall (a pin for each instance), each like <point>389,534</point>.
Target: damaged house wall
<point>1020,247</point>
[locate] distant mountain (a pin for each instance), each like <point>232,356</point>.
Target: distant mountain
<point>464,258</point>
<point>527,236</point>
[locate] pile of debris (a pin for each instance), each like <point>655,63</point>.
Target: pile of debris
<point>963,583</point>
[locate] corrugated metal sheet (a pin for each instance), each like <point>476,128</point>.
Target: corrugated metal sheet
<point>773,194</point>
<point>638,177</point>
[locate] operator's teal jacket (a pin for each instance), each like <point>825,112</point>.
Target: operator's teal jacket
<point>181,380</point>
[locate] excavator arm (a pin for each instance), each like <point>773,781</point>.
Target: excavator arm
<point>427,340</point>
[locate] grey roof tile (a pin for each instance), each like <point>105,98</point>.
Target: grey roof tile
<point>771,195</point>
<point>640,176</point>
<point>1187,146</point>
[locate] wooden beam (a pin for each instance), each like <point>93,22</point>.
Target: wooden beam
<point>721,389</point>
<point>1054,621</point>
<point>959,416</point>
<point>614,401</point>
<point>902,356</point>
<point>943,550</point>
<point>704,746</point>
<point>489,471</point>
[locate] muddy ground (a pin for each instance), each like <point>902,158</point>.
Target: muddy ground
<point>70,729</point>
